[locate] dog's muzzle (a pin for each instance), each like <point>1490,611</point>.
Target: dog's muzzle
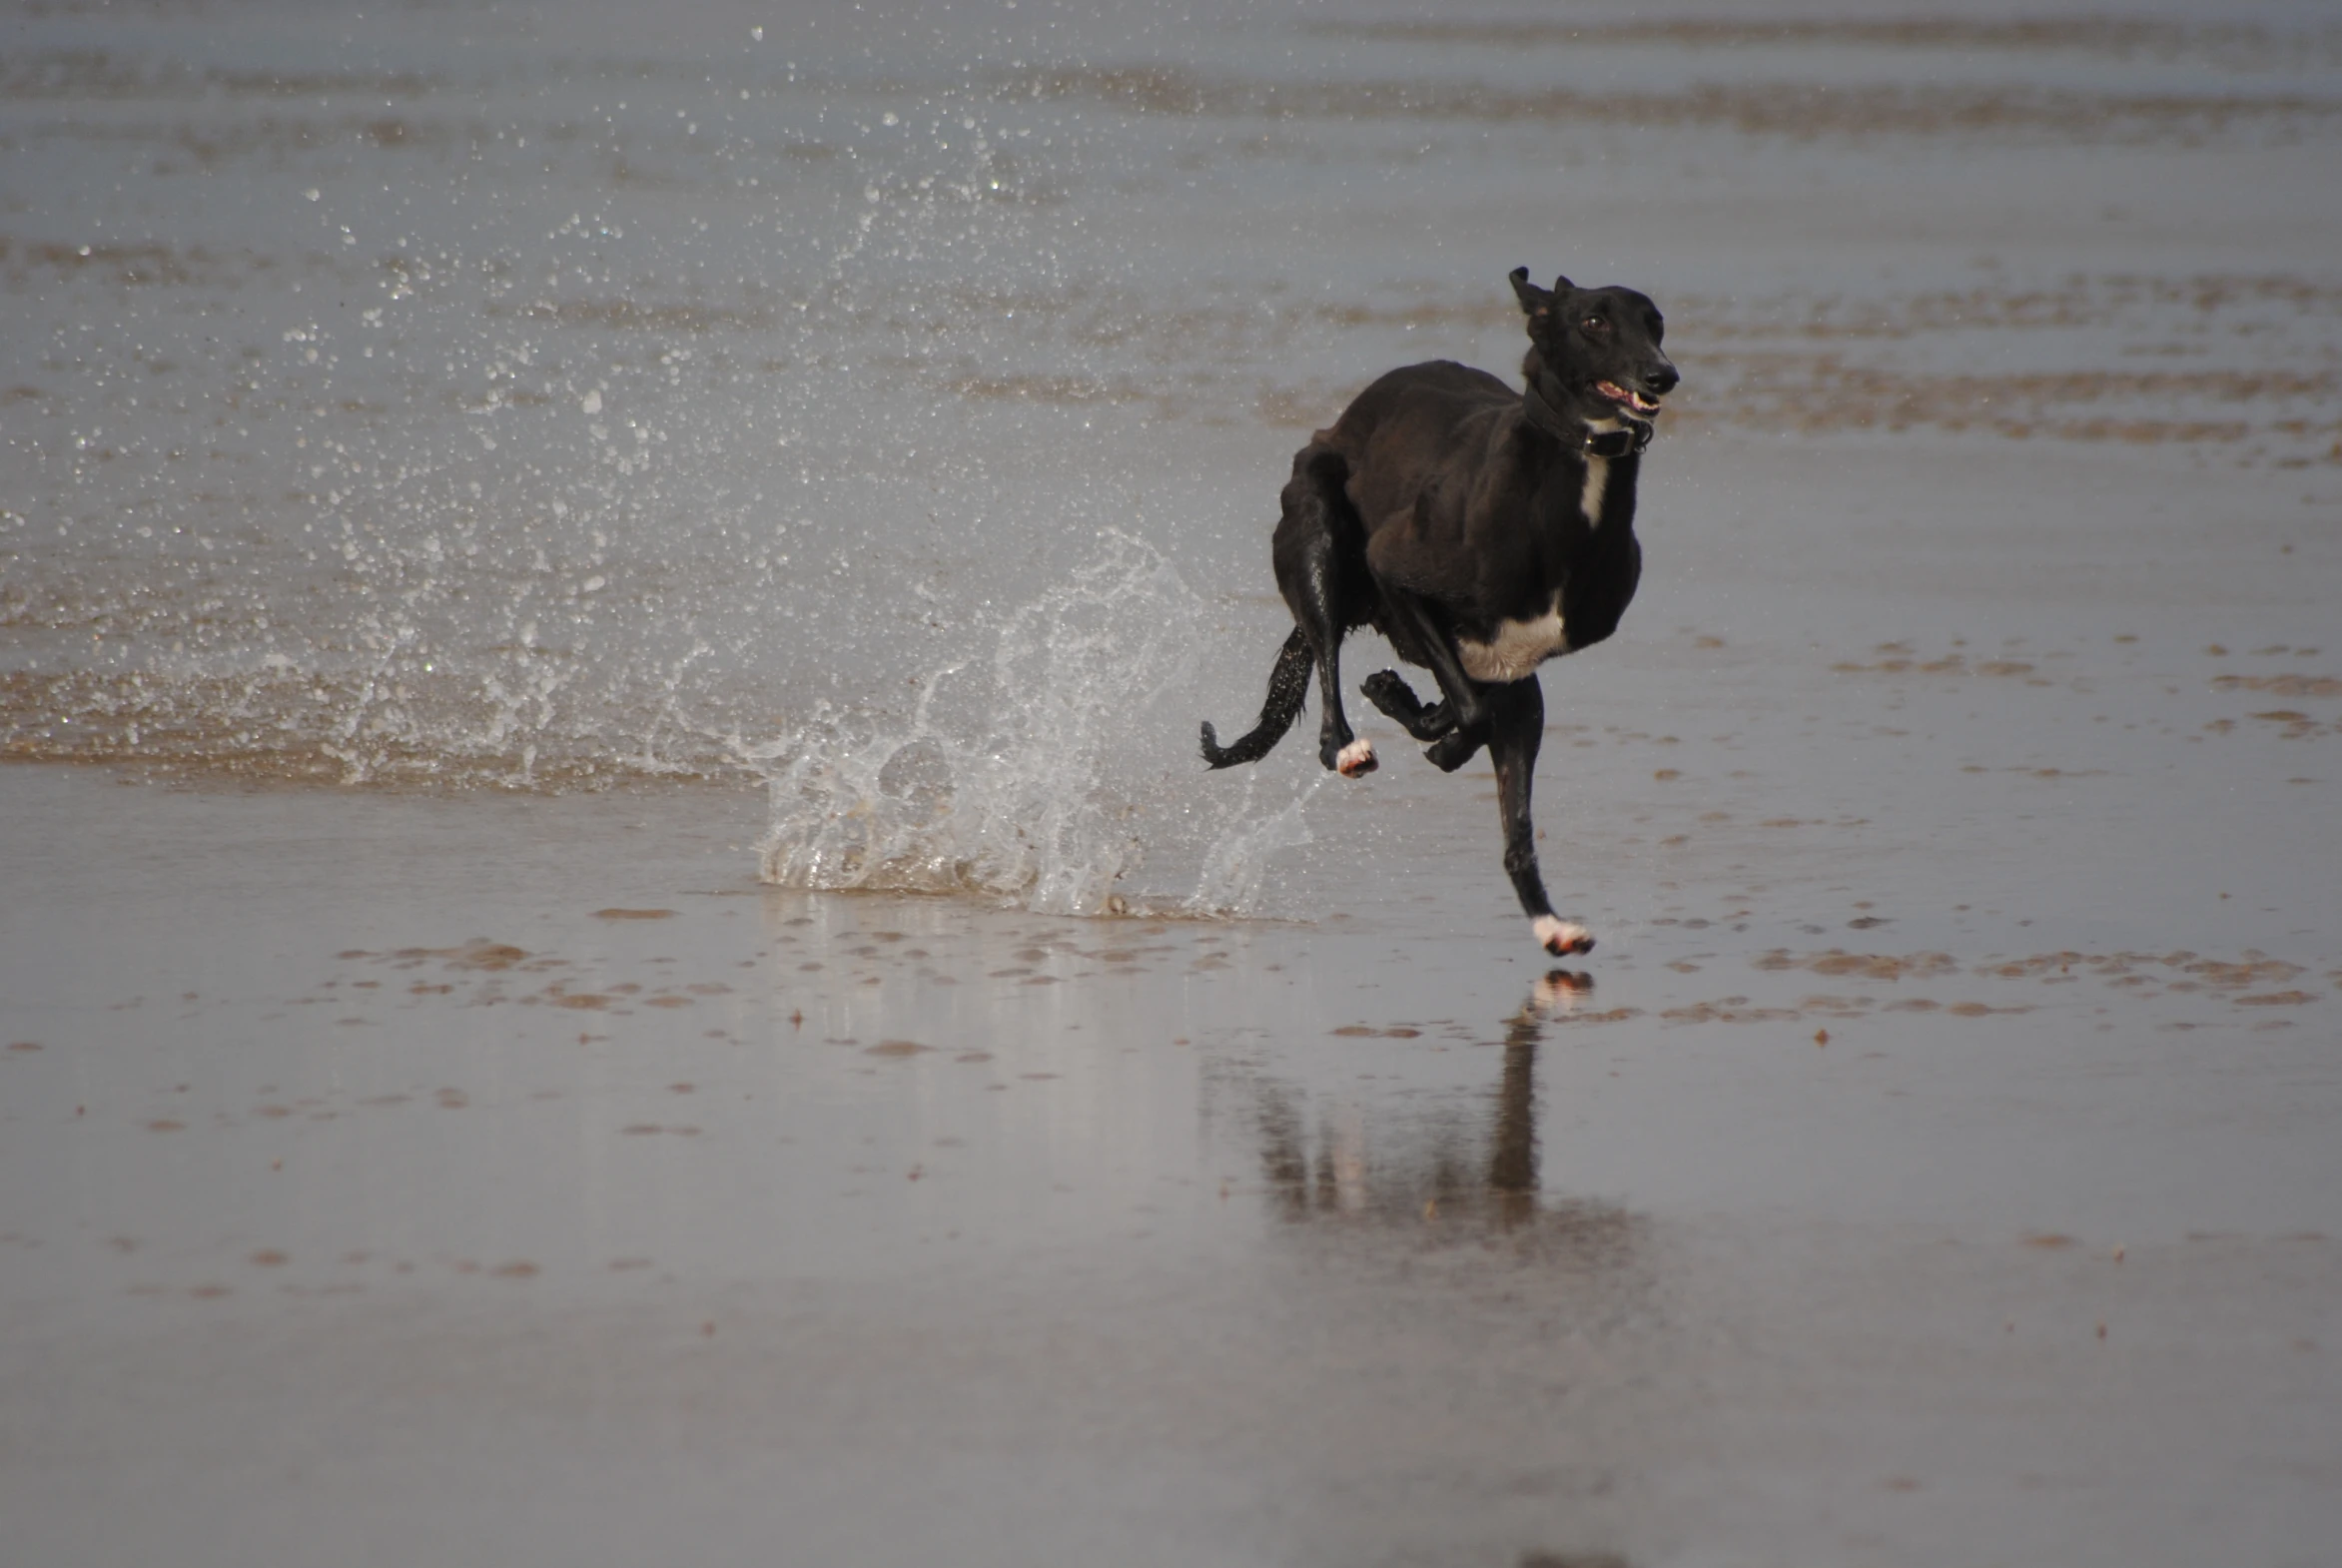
<point>1631,403</point>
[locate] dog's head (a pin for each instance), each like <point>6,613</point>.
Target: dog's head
<point>1594,352</point>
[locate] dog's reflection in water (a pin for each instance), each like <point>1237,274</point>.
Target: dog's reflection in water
<point>1558,991</point>
<point>1512,1165</point>
<point>1445,1174</point>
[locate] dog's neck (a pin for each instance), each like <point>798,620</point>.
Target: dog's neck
<point>1623,440</point>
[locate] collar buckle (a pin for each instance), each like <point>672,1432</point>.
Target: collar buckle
<point>1626,443</point>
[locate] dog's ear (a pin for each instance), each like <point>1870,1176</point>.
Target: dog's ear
<point>1562,285</point>
<point>1535,300</point>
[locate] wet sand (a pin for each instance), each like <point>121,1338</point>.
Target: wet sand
<point>1934,1165</point>
<point>480,494</point>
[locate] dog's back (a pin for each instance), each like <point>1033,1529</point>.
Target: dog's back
<point>1423,404</point>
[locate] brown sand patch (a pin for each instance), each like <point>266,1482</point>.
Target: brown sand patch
<point>275,727</point>
<point>1035,387</point>
<point>1817,392</point>
<point>2287,686</point>
<point>1609,1016</point>
<point>2297,724</point>
<point>639,316</point>
<point>1864,966</point>
<point>2251,969</point>
<point>1731,1010</point>
<point>1798,109</point>
<point>2140,974</point>
<point>2106,35</point>
<point>479,953</point>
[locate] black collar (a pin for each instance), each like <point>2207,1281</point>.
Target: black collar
<point>1624,443</point>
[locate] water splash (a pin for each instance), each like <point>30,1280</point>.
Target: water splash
<point>1235,864</point>
<point>1040,775</point>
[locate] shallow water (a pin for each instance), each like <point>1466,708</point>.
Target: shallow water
<point>649,934</point>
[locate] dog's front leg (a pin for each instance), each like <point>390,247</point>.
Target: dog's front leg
<point>1516,726</point>
<point>1465,729</point>
<point>1388,690</point>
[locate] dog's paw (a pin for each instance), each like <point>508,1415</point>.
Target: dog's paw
<point>1387,690</point>
<point>1356,760</point>
<point>1561,938</point>
<point>1452,750</point>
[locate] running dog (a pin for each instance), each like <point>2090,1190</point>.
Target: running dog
<point>1482,531</point>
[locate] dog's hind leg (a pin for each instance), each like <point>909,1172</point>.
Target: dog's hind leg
<point>1288,683</point>
<point>1323,589</point>
<point>1516,725</point>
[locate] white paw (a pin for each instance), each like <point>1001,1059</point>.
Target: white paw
<point>1560,937</point>
<point>1356,758</point>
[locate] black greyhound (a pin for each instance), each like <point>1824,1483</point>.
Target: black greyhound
<point>1482,531</point>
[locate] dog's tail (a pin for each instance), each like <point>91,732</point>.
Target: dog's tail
<point>1288,683</point>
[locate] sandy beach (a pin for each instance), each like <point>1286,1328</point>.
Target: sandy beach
<point>613,949</point>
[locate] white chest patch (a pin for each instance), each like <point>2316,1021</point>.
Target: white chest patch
<point>1597,481</point>
<point>1520,647</point>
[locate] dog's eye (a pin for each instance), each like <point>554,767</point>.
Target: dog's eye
<point>1596,324</point>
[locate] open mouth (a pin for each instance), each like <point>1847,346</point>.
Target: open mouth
<point>1634,401</point>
